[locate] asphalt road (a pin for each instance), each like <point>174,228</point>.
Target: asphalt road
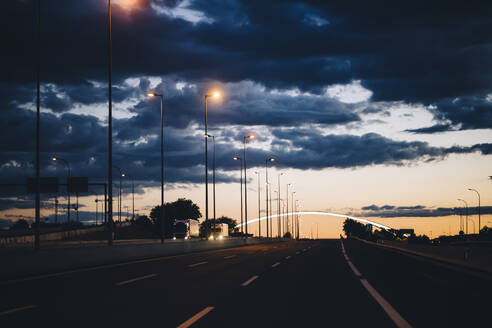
<point>287,284</point>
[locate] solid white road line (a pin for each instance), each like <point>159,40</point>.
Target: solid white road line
<point>197,264</point>
<point>229,257</point>
<point>136,279</point>
<point>250,280</point>
<point>275,264</point>
<point>288,257</point>
<point>354,269</point>
<point>390,311</point>
<point>196,317</point>
<point>22,308</point>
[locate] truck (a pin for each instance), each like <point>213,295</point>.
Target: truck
<point>186,229</point>
<point>220,231</point>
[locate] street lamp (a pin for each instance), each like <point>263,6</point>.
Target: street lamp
<point>69,173</point>
<point>213,169</point>
<point>133,193</point>
<point>153,94</point>
<point>278,208</point>
<point>292,216</point>
<point>212,95</point>
<point>287,206</point>
<point>259,207</point>
<point>466,204</point>
<point>478,194</point>
<point>122,174</point>
<point>236,158</point>
<point>251,136</point>
<point>270,159</point>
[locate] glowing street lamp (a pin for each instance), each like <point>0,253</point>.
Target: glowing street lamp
<point>215,95</point>
<point>69,173</point>
<point>154,94</point>
<point>466,204</point>
<point>236,158</point>
<point>251,136</point>
<point>213,174</point>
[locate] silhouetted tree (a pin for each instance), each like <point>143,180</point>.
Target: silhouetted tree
<point>20,225</point>
<point>182,209</point>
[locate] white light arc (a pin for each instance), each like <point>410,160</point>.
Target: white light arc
<point>320,213</point>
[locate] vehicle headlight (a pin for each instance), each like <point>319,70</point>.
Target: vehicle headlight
<point>211,238</point>
<point>174,238</point>
<point>221,237</point>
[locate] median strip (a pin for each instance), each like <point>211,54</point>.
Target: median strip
<point>136,279</point>
<point>250,280</point>
<point>196,317</point>
<point>197,264</point>
<point>22,308</point>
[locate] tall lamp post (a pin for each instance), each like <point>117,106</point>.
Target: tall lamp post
<point>270,159</point>
<point>122,174</point>
<point>250,136</point>
<point>110,130</point>
<point>292,216</point>
<point>153,94</point>
<point>259,207</point>
<point>69,173</point>
<point>239,159</point>
<point>466,204</point>
<point>278,208</point>
<point>287,206</point>
<point>478,194</point>
<point>133,193</point>
<point>213,95</point>
<point>213,174</point>
<point>37,211</point>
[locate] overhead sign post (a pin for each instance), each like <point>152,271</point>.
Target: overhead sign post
<point>46,185</point>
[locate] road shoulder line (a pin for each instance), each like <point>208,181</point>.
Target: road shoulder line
<point>121,283</point>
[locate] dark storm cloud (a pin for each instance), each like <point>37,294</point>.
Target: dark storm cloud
<point>414,51</point>
<point>390,211</point>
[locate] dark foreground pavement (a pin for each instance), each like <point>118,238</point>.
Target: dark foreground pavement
<point>306,283</point>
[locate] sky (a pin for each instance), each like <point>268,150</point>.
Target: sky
<point>373,109</point>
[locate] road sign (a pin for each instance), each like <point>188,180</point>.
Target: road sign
<point>46,185</point>
<point>79,184</point>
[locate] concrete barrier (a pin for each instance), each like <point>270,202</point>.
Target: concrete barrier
<point>25,263</point>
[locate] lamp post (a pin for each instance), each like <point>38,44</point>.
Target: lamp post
<point>278,215</point>
<point>153,94</point>
<point>236,158</point>
<point>287,206</point>
<point>213,170</point>
<point>122,174</point>
<point>270,159</point>
<point>478,194</point>
<point>37,211</point>
<point>292,215</point>
<point>110,132</point>
<point>259,209</point>
<point>133,192</point>
<point>96,201</point>
<point>466,204</point>
<point>250,136</point>
<point>271,209</point>
<point>69,173</point>
<point>298,225</point>
<point>214,95</point>
<point>278,208</point>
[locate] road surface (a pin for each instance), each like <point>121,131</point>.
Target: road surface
<point>287,284</point>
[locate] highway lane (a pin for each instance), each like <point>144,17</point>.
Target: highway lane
<point>282,284</point>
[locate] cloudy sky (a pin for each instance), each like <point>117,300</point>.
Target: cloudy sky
<point>371,108</point>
